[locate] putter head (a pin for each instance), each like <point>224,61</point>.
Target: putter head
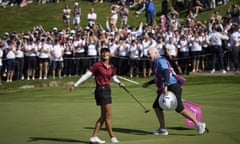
<point>146,111</point>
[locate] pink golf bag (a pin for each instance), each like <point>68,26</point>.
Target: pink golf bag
<point>195,110</point>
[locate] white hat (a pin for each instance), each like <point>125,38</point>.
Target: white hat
<point>76,3</point>
<point>72,31</point>
<point>6,34</point>
<point>70,38</point>
<point>55,28</point>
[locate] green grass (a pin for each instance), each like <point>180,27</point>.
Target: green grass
<point>50,15</point>
<point>44,115</point>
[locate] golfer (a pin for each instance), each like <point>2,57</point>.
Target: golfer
<point>103,72</point>
<point>165,81</point>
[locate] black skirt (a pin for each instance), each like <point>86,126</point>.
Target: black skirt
<point>103,95</point>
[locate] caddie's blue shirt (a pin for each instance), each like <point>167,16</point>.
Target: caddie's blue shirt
<point>160,65</point>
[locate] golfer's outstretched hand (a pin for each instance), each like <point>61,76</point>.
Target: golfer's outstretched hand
<point>71,88</point>
<point>121,84</point>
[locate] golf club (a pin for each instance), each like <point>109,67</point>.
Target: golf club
<point>131,81</point>
<point>145,110</point>
<point>134,82</point>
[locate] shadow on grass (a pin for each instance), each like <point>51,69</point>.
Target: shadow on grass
<point>32,139</point>
<point>125,130</point>
<point>182,129</point>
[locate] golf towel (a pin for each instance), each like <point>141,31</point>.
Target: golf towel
<point>195,110</point>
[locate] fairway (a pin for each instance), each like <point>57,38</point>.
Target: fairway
<point>44,115</point>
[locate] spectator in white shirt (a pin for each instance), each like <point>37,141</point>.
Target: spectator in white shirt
<point>44,54</point>
<point>92,17</point>
<point>31,57</point>
<point>215,40</point>
<point>10,56</point>
<point>57,55</point>
<point>19,61</point>
<point>172,53</point>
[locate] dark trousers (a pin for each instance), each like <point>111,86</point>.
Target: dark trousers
<point>217,51</point>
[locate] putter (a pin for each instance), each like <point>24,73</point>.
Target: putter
<point>145,110</point>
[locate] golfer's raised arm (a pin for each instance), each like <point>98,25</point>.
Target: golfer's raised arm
<point>84,77</point>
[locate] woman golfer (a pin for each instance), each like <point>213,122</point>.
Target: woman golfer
<point>165,81</point>
<point>103,72</point>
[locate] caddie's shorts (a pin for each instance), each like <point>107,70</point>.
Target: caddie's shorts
<point>103,95</point>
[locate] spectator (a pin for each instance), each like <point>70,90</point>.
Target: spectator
<point>124,15</point>
<point>212,4</point>
<point>235,13</point>
<point>66,17</point>
<point>114,46</point>
<point>92,49</point>
<point>142,7</point>
<point>31,57</point>
<point>172,53</point>
<point>198,7</point>
<point>92,17</point>
<point>76,16</point>
<point>68,61</point>
<point>173,16</point>
<point>123,56</point>
<point>165,7</point>
<point>196,49</point>
<point>134,57</point>
<point>19,61</point>
<point>114,9</point>
<point>43,58</point>
<point>57,53</point>
<point>80,53</point>
<point>215,40</point>
<point>11,56</point>
<point>184,51</point>
<point>150,11</point>
<point>147,42</point>
<point>161,46</point>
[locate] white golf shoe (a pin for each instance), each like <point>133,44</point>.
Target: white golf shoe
<point>160,131</point>
<point>114,140</point>
<point>201,127</point>
<point>96,140</point>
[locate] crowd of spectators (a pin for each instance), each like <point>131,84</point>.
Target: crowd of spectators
<point>191,46</point>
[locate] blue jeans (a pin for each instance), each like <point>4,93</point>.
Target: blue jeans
<point>150,17</point>
<point>217,51</point>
